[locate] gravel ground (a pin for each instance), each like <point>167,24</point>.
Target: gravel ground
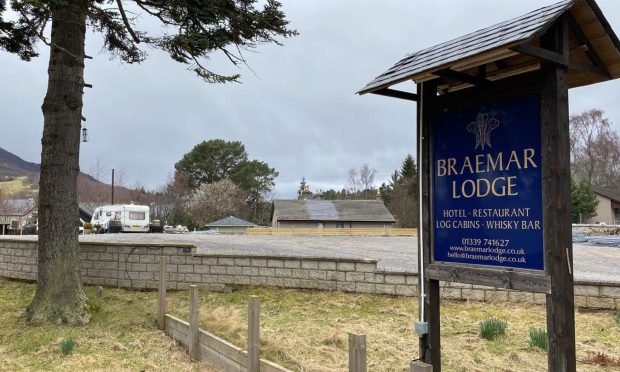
<point>592,263</point>
<point>395,254</point>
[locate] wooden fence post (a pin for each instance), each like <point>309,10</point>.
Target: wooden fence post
<point>357,353</point>
<point>161,294</point>
<point>253,334</point>
<point>194,316</point>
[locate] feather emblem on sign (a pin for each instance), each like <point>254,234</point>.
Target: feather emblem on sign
<point>482,128</point>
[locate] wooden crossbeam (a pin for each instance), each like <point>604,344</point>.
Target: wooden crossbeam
<point>460,76</point>
<point>397,94</point>
<point>559,59</point>
<point>574,27</point>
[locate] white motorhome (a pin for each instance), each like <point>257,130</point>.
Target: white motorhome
<point>121,218</point>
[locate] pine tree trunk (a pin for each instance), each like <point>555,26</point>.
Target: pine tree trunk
<point>59,296</point>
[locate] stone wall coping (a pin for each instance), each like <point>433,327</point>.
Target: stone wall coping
<point>34,239</point>
<point>19,238</point>
<point>388,272</point>
<point>598,282</point>
<point>141,244</point>
<point>286,257</point>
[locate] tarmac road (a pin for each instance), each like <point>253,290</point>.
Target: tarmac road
<point>395,254</point>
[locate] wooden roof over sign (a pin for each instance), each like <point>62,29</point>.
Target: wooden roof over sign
<point>512,48</point>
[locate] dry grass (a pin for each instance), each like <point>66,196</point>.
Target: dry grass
<point>307,330</point>
<point>122,336</point>
<point>302,330</point>
<point>19,184</point>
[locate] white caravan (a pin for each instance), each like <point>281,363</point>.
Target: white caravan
<point>121,218</point>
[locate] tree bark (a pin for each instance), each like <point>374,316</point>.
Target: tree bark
<point>59,296</point>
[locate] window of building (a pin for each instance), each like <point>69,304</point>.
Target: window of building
<point>340,225</point>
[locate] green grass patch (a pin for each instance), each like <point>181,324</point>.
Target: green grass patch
<point>67,345</point>
<point>538,338</point>
<point>617,317</point>
<point>492,328</point>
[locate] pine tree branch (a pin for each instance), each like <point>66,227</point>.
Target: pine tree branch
<point>126,22</point>
<point>39,34</point>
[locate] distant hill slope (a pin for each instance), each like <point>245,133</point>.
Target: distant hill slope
<point>12,165</point>
<point>20,179</point>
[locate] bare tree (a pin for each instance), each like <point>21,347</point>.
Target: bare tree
<point>595,149</point>
<point>97,170</point>
<point>213,201</point>
<point>120,177</point>
<point>352,182</point>
<point>367,179</point>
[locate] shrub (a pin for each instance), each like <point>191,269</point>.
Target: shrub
<point>601,359</point>
<point>67,345</point>
<point>538,338</point>
<point>492,328</point>
<point>87,225</point>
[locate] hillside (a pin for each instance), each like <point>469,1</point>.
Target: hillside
<point>20,179</point>
<point>12,165</point>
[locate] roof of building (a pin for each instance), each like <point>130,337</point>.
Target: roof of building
<point>231,221</point>
<point>17,207</point>
<point>86,208</point>
<point>331,210</point>
<point>506,48</point>
<point>609,194</point>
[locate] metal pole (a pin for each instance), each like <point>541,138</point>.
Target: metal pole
<point>422,294</point>
<point>112,186</point>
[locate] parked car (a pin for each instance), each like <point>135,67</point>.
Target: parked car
<point>156,226</point>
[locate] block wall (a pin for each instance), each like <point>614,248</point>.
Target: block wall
<point>137,267</point>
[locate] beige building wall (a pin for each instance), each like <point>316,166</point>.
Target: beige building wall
<point>604,211</point>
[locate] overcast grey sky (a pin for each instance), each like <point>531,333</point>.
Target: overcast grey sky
<point>297,111</point>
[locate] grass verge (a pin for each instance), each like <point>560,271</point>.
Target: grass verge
<point>307,330</point>
<point>301,330</point>
<point>122,336</point>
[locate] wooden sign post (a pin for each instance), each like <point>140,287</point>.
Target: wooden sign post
<point>494,162</point>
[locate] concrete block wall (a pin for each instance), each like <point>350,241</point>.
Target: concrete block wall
<point>18,259</point>
<point>348,275</point>
<point>137,267</point>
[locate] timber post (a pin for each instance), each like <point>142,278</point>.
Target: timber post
<point>357,353</point>
<point>193,336</point>
<point>253,334</point>
<point>556,205</point>
<point>161,293</point>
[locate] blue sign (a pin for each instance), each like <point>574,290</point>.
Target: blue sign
<point>487,185</point>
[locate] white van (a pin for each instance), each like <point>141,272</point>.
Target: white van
<point>121,218</point>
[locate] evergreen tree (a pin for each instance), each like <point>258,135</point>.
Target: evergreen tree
<point>401,194</point>
<point>193,31</point>
<point>304,192</point>
<point>583,201</point>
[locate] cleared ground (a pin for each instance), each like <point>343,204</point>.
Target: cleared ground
<point>598,264</point>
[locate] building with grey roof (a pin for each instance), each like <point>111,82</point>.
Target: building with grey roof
<point>231,224</point>
<point>330,214</point>
<point>15,214</point>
